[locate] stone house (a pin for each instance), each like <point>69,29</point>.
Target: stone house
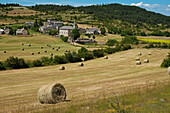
<point>93,31</point>
<point>29,23</point>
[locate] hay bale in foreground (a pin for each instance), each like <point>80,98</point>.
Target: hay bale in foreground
<point>52,94</point>
<point>138,62</point>
<point>4,51</point>
<point>32,53</point>
<point>169,70</point>
<point>106,57</point>
<point>137,59</point>
<point>146,61</point>
<point>149,53</point>
<point>29,45</point>
<point>81,64</point>
<point>159,48</point>
<point>139,54</point>
<point>38,52</point>
<point>51,54</point>
<point>62,68</point>
<point>82,59</point>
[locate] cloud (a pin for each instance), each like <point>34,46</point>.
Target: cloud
<point>137,4</point>
<point>167,9</point>
<point>168,5</point>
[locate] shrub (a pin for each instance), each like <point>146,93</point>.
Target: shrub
<point>2,67</point>
<point>109,50</point>
<point>82,50</point>
<point>98,53</point>
<point>60,60</point>
<point>64,38</point>
<point>45,61</point>
<point>111,42</point>
<point>166,62</point>
<point>103,30</point>
<point>72,57</point>
<point>15,63</point>
<point>37,63</point>
<point>130,40</point>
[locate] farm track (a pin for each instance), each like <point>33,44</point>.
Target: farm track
<point>99,78</point>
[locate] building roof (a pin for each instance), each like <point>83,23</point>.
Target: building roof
<point>91,29</point>
<point>19,30</point>
<point>66,28</point>
<point>1,30</point>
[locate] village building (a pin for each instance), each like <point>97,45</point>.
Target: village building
<point>22,32</point>
<point>66,30</point>
<point>1,31</point>
<point>29,23</point>
<point>93,31</point>
<point>6,31</point>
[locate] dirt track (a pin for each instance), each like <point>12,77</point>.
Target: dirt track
<point>97,79</point>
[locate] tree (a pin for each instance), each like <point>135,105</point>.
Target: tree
<point>40,22</point>
<point>111,42</point>
<point>75,34</point>
<point>103,30</point>
<point>36,23</point>
<point>94,37</point>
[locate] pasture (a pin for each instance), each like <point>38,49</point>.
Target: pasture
<point>12,44</point>
<point>92,82</point>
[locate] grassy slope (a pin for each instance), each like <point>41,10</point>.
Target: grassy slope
<point>83,84</point>
<point>12,44</point>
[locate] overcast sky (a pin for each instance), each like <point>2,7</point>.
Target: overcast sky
<point>159,6</point>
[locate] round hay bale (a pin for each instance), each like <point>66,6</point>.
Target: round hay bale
<point>81,64</point>
<point>49,45</point>
<point>66,51</point>
<point>52,94</point>
<point>45,51</point>
<point>22,49</point>
<point>169,70</point>
<point>38,52</point>
<point>106,57</point>
<point>146,61</point>
<point>62,68</point>
<point>42,47</point>
<point>139,54</point>
<point>149,53</point>
<point>138,62</point>
<point>51,54</point>
<point>56,49</point>
<point>32,53</point>
<point>22,43</point>
<point>137,59</point>
<point>82,59</point>
<point>29,45</point>
<point>159,48</point>
<point>59,47</point>
<point>4,51</point>
<point>53,48</point>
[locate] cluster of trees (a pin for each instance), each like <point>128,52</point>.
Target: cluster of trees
<point>166,62</point>
<point>63,38</point>
<point>158,45</point>
<point>18,63</point>
<point>51,7</point>
<point>9,4</point>
<point>130,40</point>
<point>131,14</point>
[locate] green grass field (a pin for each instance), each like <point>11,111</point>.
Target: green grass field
<point>12,44</point>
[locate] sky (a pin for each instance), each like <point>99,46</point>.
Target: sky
<point>158,6</point>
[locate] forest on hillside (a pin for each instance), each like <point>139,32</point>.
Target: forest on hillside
<point>131,14</point>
